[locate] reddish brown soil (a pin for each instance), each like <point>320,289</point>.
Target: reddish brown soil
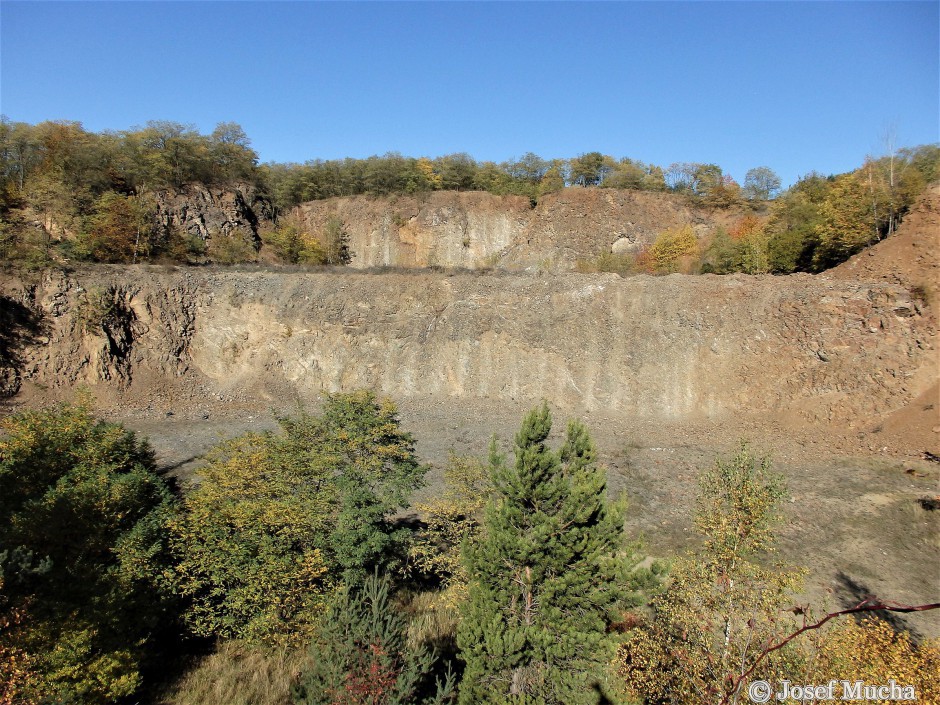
<point>909,258</point>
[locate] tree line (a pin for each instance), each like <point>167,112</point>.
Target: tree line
<point>814,225</point>
<point>67,193</point>
<point>61,160</point>
<point>518,585</point>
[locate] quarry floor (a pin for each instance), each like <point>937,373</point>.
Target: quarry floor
<point>854,518</point>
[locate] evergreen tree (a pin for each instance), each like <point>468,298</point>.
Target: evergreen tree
<point>362,654</point>
<point>546,575</point>
<point>376,472</point>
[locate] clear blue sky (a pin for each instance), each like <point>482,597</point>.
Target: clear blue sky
<point>794,86</point>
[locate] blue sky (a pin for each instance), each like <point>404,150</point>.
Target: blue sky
<point>794,86</point>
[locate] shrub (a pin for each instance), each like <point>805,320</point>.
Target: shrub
<point>277,519</point>
<point>293,245</point>
<point>230,248</point>
<point>873,652</point>
<point>81,516</point>
<point>94,309</point>
<point>118,230</point>
<point>675,250</point>
<point>361,654</point>
<point>184,247</point>
<point>451,520</point>
<point>336,242</point>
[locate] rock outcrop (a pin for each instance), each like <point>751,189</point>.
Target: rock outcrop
<point>205,212</point>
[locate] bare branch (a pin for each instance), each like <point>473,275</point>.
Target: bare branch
<point>870,604</point>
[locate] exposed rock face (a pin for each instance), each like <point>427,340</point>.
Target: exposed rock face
<point>99,330</point>
<point>206,211</point>
<point>477,229</point>
<point>446,229</point>
<point>673,347</point>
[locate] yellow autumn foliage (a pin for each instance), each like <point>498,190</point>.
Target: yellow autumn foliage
<point>675,250</point>
<point>871,651</point>
<point>451,518</point>
<point>249,546</point>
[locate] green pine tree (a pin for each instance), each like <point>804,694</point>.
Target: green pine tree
<point>546,576</point>
<point>362,655</point>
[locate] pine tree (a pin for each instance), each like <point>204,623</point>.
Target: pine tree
<point>362,655</point>
<point>546,575</point>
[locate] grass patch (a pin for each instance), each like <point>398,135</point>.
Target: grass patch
<point>240,674</point>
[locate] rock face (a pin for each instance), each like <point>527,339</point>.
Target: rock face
<point>103,331</point>
<point>205,212</point>
<point>471,230</point>
<point>479,230</point>
<point>672,347</point>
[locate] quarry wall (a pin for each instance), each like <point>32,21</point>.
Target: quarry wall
<point>476,229</point>
<point>156,339</point>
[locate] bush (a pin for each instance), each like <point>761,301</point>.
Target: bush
<point>622,264</point>
<point>94,310</point>
<point>362,655</point>
<point>873,652</point>
<point>293,245</point>
<point>451,519</point>
<point>184,247</point>
<point>118,229</point>
<point>277,519</point>
<point>81,518</point>
<point>675,250</point>
<point>230,248</point>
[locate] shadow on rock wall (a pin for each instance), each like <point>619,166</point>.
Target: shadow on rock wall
<point>20,327</point>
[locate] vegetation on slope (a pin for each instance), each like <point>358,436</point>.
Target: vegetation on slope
<point>289,544</point>
<point>814,225</point>
<point>67,194</point>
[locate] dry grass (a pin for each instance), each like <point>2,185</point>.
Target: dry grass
<point>622,264</point>
<point>239,674</point>
<point>434,617</point>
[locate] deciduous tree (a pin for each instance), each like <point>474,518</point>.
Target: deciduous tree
<point>846,222</point>
<point>761,183</point>
<point>251,558</point>
<point>721,605</point>
<point>82,511</point>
